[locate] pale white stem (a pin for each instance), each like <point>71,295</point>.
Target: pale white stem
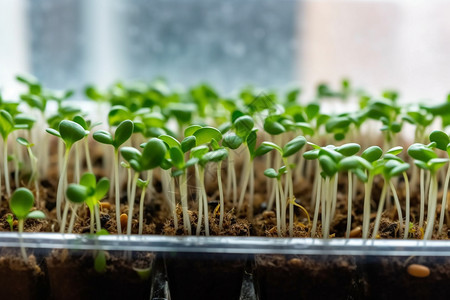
<point>131,202</point>
<point>129,179</point>
<point>324,216</point>
<point>244,184</point>
<point>314,189</point>
<point>271,199</point>
<point>199,200</point>
<point>349,204</point>
<point>60,191</point>
<point>329,203</point>
<point>150,182</point>
<point>366,213</point>
<point>117,190</point>
<point>444,200</point>
<point>77,163</point>
<point>422,198</point>
<point>88,155</point>
<point>229,166</point>
<point>174,203</point>
<point>335,187</point>
<point>433,203</point>
<point>72,218</point>
<point>64,218</point>
<point>5,167</point>
<point>141,210</point>
<point>317,206</point>
<point>283,208</point>
<point>380,210</point>
<point>184,204</point>
<point>399,208</point>
<point>222,204</point>
<point>277,205</point>
<point>22,248</point>
<point>251,191</point>
<point>205,200</point>
<point>407,205</point>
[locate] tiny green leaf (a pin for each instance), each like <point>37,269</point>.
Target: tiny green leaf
<point>395,151</point>
<point>76,193</point>
<point>177,157</point>
<point>71,132</point>
<point>123,132</point>
<point>188,143</point>
<point>21,202</point>
<point>153,154</point>
<point>293,146</point>
<point>348,149</point>
<point>440,138</point>
<point>103,137</point>
<point>23,142</point>
<point>372,153</point>
<point>271,173</point>
<point>191,130</point>
<point>328,165</point>
<point>232,141</point>
<point>206,134</point>
<point>243,126</point>
<point>35,214</point>
<point>170,141</point>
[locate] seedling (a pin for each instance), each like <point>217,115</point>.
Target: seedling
<point>123,132</point>
<point>21,203</point>
<point>89,191</point>
<point>152,156</point>
<point>69,132</point>
<point>34,170</point>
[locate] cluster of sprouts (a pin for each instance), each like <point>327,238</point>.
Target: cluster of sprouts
<point>191,139</point>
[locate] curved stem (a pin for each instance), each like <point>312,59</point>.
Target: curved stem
<point>251,191</point>
<point>77,164</point>
<point>380,210</point>
<point>97,217</point>
<point>72,218</point>
<point>22,248</point>
<point>174,203</point>
<point>407,205</point>
<point>399,208</point>
<point>349,204</point>
<point>117,190</point>
<point>366,214</point>
<point>131,202</point>
<point>222,204</point>
<point>422,198</point>
<point>64,218</point>
<point>444,200</point>
<point>5,167</point>
<point>317,206</point>
<point>199,201</point>
<point>88,155</point>
<point>244,184</point>
<point>184,204</point>
<point>60,191</point>
<point>141,210</point>
<point>432,202</point>
<point>277,205</point>
<point>205,199</point>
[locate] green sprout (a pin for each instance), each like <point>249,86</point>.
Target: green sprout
<point>426,159</point>
<point>272,173</point>
<point>442,141</point>
<point>89,191</point>
<point>21,203</point>
<point>69,132</point>
<point>7,126</point>
<point>123,132</point>
<point>34,177</point>
<point>291,148</point>
<point>151,157</point>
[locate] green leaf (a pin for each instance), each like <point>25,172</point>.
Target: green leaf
<point>21,202</point>
<point>35,214</point>
<point>273,127</point>
<point>372,153</point>
<point>399,169</point>
<point>395,151</point>
<point>311,154</point>
<point>123,132</point>
<point>6,123</point>
<point>142,183</point>
<point>293,146</point>
<point>337,123</point>
<point>130,153</point>
<point>191,130</point>
<point>348,149</point>
<point>177,157</point>
<point>251,142</point>
<point>80,120</point>
<point>348,163</point>
<point>435,164</point>
<point>336,156</point>
<point>243,126</point>
<point>360,174</point>
<point>261,150</point>
<point>312,110</point>
<point>215,156</point>
<point>273,146</point>
<point>328,165</point>
<point>100,262</point>
<point>305,128</point>
<point>76,193</point>
<point>421,164</point>
<point>188,143</point>
<point>232,141</point>
<point>271,173</point>
<point>103,137</point>
<point>23,142</point>
<point>199,151</point>
<point>88,180</point>
<point>206,134</point>
<point>170,141</point>
<point>102,188</point>
<point>440,138</point>
<point>153,154</point>
<point>71,132</point>
<point>118,114</point>
<point>421,152</point>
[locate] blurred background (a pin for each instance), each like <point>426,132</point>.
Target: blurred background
<point>229,43</point>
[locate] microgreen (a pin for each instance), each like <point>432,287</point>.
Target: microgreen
<point>123,132</point>
<point>21,203</point>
